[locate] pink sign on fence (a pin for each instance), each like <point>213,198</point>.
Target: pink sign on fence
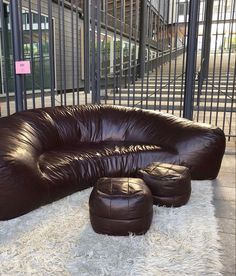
<point>23,67</point>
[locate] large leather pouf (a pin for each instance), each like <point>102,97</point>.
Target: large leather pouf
<point>170,184</point>
<point>120,206</point>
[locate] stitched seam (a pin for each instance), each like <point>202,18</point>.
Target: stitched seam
<point>110,198</point>
<point>121,219</point>
<point>174,196</point>
<point>128,196</point>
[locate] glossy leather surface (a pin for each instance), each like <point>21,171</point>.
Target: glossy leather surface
<point>48,153</point>
<point>119,206</point>
<point>170,184</point>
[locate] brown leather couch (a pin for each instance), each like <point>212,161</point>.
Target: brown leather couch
<point>46,154</point>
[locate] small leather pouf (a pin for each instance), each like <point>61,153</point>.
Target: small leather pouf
<point>120,206</point>
<point>170,184</point>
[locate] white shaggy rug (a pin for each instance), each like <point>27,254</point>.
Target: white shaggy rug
<point>57,239</point>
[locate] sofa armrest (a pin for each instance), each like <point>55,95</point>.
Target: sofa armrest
<point>202,152</point>
<point>22,189</point>
<point>200,146</point>
<point>22,185</point>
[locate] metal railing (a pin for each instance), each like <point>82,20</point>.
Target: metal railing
<point>180,64</point>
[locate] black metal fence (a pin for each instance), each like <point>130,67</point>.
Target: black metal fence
<point>173,56</point>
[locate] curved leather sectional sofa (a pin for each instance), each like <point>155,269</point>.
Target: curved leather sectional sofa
<point>46,154</point>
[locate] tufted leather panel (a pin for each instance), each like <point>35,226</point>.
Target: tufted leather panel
<point>119,206</point>
<point>170,184</point>
<point>48,153</point>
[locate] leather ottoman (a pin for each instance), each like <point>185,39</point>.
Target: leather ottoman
<point>170,184</point>
<point>120,206</point>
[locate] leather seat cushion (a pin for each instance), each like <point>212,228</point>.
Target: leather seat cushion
<point>119,206</point>
<point>170,184</point>
<point>87,162</point>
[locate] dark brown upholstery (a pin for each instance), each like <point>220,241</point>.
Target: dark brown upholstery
<point>119,206</point>
<point>170,184</point>
<point>46,154</point>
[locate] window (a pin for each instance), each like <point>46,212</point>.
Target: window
<point>183,8</point>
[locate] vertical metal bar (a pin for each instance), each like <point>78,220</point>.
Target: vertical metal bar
<point>183,62</point>
<point>72,54</point>
<point>23,55</point>
<point>232,102</point>
<point>135,48</point>
<point>130,54</point>
<point>200,70</point>
<point>229,59</point>
<point>4,37</point>
<point>142,44</point>
<point>214,62</point>
<point>196,43</point>
<point>106,52</point>
<point>121,47</point>
<point>157,26</point>
<point>199,88</point>
<point>221,60</point>
<point>17,52</point>
<point>114,60</point>
<point>199,73</point>
<point>170,54</point>
<point>78,57</point>
<point>32,53</point>
<point>87,61</point>
<point>93,49</point>
<point>64,51</point>
<point>206,49</point>
<point>41,54</point>
<point>207,37</point>
<point>162,58</point>
<point>191,59</point>
<point>176,48</point>
<point>98,71</point>
<point>166,26</point>
<point>142,85</point>
<point>149,30</point>
<point>51,53</point>
<point>142,38</point>
<point>60,49</point>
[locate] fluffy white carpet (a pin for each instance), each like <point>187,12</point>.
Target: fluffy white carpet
<point>57,239</point>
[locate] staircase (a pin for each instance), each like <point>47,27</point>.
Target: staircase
<point>216,103</point>
<point>164,90</point>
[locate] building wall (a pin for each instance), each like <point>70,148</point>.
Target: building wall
<point>163,4</point>
<point>70,45</point>
<point>64,77</point>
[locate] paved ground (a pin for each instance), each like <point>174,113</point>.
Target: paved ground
<point>225,211</point>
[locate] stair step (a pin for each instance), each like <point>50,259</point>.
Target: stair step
<point>180,85</point>
<point>175,107</point>
<point>179,82</point>
<point>215,101</point>
<point>165,91</point>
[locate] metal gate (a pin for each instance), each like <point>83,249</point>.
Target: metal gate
<point>175,56</point>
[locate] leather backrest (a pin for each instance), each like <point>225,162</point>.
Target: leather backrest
<point>42,129</point>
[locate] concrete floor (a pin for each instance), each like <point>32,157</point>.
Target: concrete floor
<point>225,210</point>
